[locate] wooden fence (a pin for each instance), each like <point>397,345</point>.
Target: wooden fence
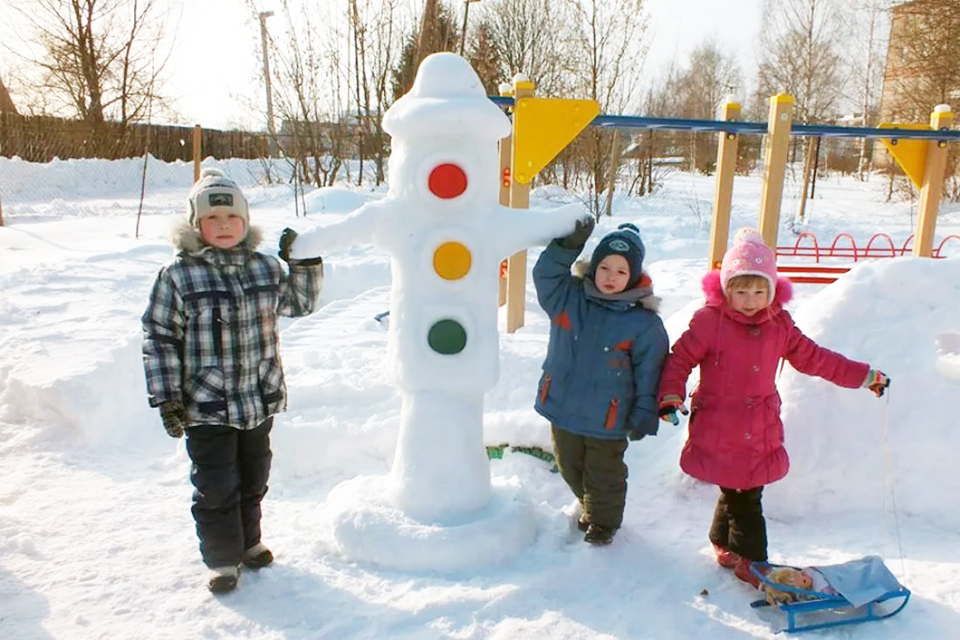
<point>43,138</point>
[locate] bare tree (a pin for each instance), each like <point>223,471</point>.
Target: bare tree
<point>437,31</point>
<point>661,98</point>
<point>385,51</point>
<point>309,91</point>
<point>800,55</point>
<point>711,75</point>
<point>362,86</point>
<point>485,60</point>
<point>610,63</point>
<point>867,73</point>
<point>101,59</point>
<point>532,37</point>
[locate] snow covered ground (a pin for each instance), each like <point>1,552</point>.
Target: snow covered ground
<point>96,538</point>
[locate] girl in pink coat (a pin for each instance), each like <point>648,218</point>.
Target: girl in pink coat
<point>735,434</point>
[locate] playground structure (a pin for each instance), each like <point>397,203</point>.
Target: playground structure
<point>542,127</point>
<point>825,274</point>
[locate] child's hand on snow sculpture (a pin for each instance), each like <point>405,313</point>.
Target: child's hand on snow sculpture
<point>669,406</point>
<point>287,238</point>
<point>577,238</point>
<point>877,381</point>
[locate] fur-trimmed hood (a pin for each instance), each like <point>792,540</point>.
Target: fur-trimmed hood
<point>713,292</point>
<point>641,293</point>
<point>187,239</point>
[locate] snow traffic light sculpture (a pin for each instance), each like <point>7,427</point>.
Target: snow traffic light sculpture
<point>446,233</point>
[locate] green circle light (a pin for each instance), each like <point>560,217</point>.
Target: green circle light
<point>447,337</point>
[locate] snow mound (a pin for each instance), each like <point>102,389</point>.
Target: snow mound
<point>367,527</point>
<point>850,450</point>
<point>333,200</point>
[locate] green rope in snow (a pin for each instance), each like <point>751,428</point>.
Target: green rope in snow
<point>496,453</point>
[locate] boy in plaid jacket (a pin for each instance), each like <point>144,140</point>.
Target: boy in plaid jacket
<point>212,363</point>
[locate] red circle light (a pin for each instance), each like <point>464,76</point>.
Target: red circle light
<point>447,181</point>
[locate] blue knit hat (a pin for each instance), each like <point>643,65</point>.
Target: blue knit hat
<point>625,241</point>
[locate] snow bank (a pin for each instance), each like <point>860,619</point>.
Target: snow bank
<point>848,449</point>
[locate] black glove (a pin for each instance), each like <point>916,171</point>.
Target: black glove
<point>577,238</point>
<point>287,236</point>
<point>636,434</point>
<point>174,417</point>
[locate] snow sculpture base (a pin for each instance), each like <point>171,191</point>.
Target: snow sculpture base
<point>368,527</point>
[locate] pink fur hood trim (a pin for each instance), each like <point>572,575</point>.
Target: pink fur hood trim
<point>714,292</point>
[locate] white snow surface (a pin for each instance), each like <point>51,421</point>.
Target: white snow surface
<point>96,537</point>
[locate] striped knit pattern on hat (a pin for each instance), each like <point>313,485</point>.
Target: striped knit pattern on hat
<point>749,256</point>
<point>625,241</point>
<point>213,191</point>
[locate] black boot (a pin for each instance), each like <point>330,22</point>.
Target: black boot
<point>257,556</point>
<point>582,523</point>
<point>223,579</point>
<point>599,535</point>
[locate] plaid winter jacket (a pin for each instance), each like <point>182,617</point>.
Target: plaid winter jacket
<point>210,330</point>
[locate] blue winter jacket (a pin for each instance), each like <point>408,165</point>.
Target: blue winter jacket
<point>603,362</point>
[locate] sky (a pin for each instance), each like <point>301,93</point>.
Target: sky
<point>207,97</point>
<point>213,75</point>
<point>96,538</point>
<point>678,27</point>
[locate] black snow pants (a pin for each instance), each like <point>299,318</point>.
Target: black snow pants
<point>229,473</point>
<point>738,523</point>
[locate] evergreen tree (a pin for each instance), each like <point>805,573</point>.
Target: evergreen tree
<point>485,61</point>
<point>440,33</point>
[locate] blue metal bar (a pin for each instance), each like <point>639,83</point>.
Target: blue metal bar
<point>737,127</point>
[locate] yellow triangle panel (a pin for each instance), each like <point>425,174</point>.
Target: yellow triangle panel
<point>542,127</point>
<point>911,155</point>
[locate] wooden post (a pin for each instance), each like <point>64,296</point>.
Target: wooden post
<point>197,140</point>
<point>932,190</point>
<point>775,165</point>
<point>506,148</point>
<point>723,190</point>
<point>519,199</point>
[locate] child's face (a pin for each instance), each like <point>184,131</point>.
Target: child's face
<point>749,300</point>
<point>222,229</point>
<point>612,274</point>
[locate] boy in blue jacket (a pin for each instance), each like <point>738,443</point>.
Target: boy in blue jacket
<point>600,376</point>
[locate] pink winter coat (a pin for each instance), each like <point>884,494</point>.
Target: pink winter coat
<point>735,433</point>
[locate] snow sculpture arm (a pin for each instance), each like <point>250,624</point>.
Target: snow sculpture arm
<point>356,228</point>
<point>522,228</point>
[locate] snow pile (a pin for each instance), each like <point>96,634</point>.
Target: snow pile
<point>848,449</point>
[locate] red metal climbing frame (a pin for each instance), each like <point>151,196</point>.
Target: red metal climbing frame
<point>823,274</point>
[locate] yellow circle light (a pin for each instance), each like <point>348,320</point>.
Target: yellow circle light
<point>451,260</point>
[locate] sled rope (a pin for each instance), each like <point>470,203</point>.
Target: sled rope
<point>886,478</point>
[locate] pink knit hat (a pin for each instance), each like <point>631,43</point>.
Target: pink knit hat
<point>749,256</point>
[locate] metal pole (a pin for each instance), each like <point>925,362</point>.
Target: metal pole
<point>271,142</point>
